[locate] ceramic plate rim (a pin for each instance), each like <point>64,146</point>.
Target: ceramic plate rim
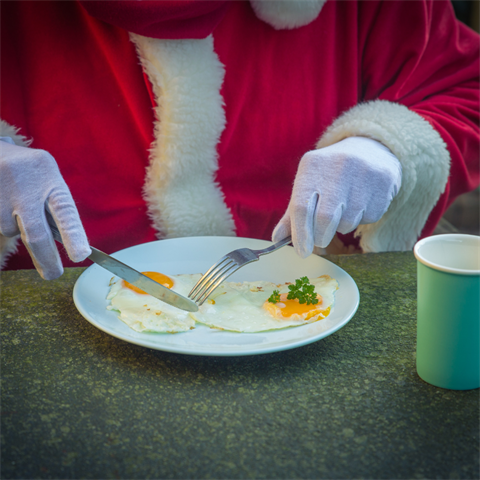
<point>102,319</point>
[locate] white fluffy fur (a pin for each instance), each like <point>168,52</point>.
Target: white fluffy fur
<point>180,188</point>
<point>9,245</point>
<point>425,167</point>
<point>7,130</point>
<point>287,14</point>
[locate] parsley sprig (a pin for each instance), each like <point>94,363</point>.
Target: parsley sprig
<point>274,297</point>
<point>303,290</point>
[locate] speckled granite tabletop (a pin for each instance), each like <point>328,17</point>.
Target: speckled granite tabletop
<point>78,403</point>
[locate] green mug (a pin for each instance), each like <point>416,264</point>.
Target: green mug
<point>448,310</point>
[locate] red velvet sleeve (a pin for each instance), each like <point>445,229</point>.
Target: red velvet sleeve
<point>418,54</point>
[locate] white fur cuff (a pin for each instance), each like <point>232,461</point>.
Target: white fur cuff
<point>9,245</point>
<point>425,167</point>
<point>7,130</point>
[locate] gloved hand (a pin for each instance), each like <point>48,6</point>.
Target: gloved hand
<point>30,181</point>
<point>337,188</point>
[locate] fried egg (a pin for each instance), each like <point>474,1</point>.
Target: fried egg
<point>237,307</point>
<point>144,313</point>
<point>244,307</point>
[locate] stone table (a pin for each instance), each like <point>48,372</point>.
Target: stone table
<point>78,403</point>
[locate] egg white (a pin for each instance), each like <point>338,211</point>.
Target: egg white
<point>144,313</point>
<point>236,307</point>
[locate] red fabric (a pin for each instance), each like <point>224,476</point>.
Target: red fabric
<point>80,93</point>
<point>435,73</point>
<point>413,53</point>
<point>87,105</point>
<point>167,19</point>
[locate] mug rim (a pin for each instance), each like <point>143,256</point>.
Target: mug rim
<point>436,266</point>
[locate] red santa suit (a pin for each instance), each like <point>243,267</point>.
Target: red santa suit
<point>201,135</point>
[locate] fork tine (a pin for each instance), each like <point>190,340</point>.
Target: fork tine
<point>215,284</point>
<point>206,286</point>
<point>206,276</point>
<point>205,282</point>
<point>225,267</point>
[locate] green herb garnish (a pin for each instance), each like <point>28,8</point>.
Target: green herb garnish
<point>274,297</point>
<point>304,291</point>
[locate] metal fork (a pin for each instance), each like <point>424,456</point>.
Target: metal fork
<point>227,266</point>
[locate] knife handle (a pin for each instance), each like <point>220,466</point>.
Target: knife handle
<point>58,237</point>
<point>53,227</point>
<point>121,270</point>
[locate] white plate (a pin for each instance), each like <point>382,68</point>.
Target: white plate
<point>196,255</point>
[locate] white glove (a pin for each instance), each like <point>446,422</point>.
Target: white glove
<point>30,181</point>
<point>337,188</point>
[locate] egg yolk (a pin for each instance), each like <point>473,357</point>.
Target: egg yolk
<point>287,308</point>
<point>158,277</point>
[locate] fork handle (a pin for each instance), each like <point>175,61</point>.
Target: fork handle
<point>274,247</point>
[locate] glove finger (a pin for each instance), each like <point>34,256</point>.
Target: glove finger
<point>65,213</point>
<point>326,225</point>
<point>8,225</point>
<point>375,212</point>
<point>302,218</point>
<point>283,228</point>
<point>41,247</point>
<point>347,225</point>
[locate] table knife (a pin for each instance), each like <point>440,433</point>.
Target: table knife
<point>131,275</point>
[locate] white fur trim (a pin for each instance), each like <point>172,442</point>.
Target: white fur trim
<point>9,245</point>
<point>182,195</point>
<point>287,14</point>
<point>7,130</point>
<point>425,168</point>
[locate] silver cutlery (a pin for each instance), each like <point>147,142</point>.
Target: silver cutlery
<point>227,266</point>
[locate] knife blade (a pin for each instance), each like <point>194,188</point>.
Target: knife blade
<point>131,275</point>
